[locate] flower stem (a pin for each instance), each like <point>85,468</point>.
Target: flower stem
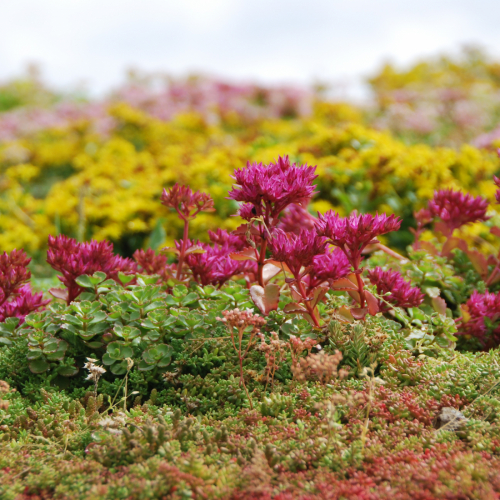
<point>260,263</point>
<point>310,309</point>
<point>183,249</point>
<point>361,286</point>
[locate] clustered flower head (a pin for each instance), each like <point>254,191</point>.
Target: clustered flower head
<point>212,265</point>
<point>478,307</point>
<point>152,263</point>
<point>185,202</point>
<point>423,217</point>
<point>321,366</point>
<point>330,266</point>
<point>24,303</point>
<point>16,297</point>
<point>296,250</point>
<point>266,190</point>
<point>95,371</point>
<point>242,319</point>
<point>355,232</point>
<point>14,272</point>
<point>235,242</point>
<point>298,346</point>
<point>456,209</point>
<point>401,292</point>
<point>296,218</point>
<point>72,259</point>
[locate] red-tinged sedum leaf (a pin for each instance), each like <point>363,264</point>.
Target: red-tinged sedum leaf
<point>195,249</point>
<point>372,303</point>
<point>247,254</point>
<point>270,271</point>
<point>318,294</point>
<point>479,262</point>
<point>452,243</point>
<point>359,312</point>
<point>279,264</point>
<point>244,229</point>
<point>425,245</point>
<point>344,314</point>
<point>267,298</point>
<point>169,250</point>
<point>294,308</point>
<point>495,230</point>
<point>344,284</point>
<point>59,293</point>
<point>355,295</point>
<point>294,291</point>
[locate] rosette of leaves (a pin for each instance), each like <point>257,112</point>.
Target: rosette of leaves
<point>156,356</point>
<point>97,284</point>
<point>86,320</point>
<point>188,324</point>
<point>7,330</point>
<point>181,296</point>
<point>118,351</point>
<point>45,351</point>
<point>435,276</point>
<point>428,331</point>
<point>158,324</point>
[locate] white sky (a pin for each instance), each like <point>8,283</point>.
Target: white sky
<point>292,41</point>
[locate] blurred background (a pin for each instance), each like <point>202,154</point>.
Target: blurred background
<point>90,43</point>
<point>105,103</point>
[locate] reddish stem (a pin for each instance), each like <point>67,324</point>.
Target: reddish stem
<point>310,309</point>
<point>389,251</point>
<point>492,275</point>
<point>361,286</point>
<point>260,262</point>
<point>183,249</point>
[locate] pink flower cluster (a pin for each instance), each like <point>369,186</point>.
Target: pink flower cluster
<point>330,266</point>
<point>267,190</point>
<point>296,218</point>
<point>163,98</point>
<point>296,250</point>
<point>72,259</point>
<point>456,209</point>
<point>213,265</point>
<point>14,274</point>
<point>354,233</point>
<point>401,292</point>
<point>23,303</point>
<point>185,202</point>
<point>479,307</point>
<point>151,263</point>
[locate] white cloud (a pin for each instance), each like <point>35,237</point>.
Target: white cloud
<point>267,40</point>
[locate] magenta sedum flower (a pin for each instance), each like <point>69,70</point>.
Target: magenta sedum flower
<point>295,219</point>
<point>23,304</point>
<point>72,259</point>
<point>352,234</point>
<point>185,202</point>
<point>16,298</point>
<point>296,250</point>
<point>456,209</point>
<point>14,273</point>
<point>269,189</point>
<point>402,293</point>
<point>152,263</point>
<point>234,242</point>
<point>478,307</point>
<point>214,266</point>
<point>330,266</point>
